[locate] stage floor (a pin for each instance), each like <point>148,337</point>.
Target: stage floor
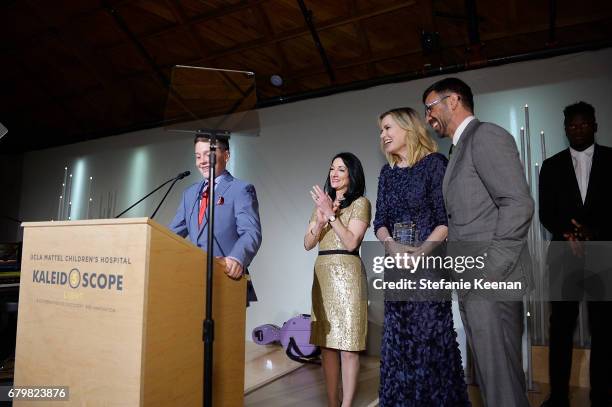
<point>274,380</point>
<point>264,364</point>
<point>305,387</point>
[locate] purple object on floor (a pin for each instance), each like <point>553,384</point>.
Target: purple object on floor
<point>266,334</point>
<point>295,338</point>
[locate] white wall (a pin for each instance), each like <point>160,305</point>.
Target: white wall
<point>293,151</point>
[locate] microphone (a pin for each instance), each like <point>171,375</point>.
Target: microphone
<point>173,180</point>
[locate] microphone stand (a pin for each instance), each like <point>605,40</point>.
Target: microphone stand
<point>209,323</point>
<point>180,176</point>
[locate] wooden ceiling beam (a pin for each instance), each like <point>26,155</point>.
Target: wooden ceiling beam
<point>180,16</point>
<point>269,35</point>
<point>390,55</point>
<point>379,57</point>
<point>298,32</point>
<point>376,58</point>
<point>136,43</point>
<point>427,12</point>
<point>288,35</point>
<point>472,18</point>
<point>268,40</point>
<point>317,41</point>
<point>197,20</point>
<point>356,62</point>
<point>363,39</point>
<point>159,75</point>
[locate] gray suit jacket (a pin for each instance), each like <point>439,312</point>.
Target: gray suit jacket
<point>488,203</point>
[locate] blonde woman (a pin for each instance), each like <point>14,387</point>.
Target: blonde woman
<point>420,359</point>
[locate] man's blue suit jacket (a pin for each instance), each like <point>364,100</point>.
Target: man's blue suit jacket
<point>237,227</point>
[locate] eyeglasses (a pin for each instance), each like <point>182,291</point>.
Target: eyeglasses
<point>429,106</point>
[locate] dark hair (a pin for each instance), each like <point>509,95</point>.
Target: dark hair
<point>580,108</point>
<point>454,85</point>
<point>222,141</point>
<point>356,186</point>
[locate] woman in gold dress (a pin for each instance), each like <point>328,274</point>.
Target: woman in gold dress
<point>339,290</point>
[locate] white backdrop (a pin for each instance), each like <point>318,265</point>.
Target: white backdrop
<point>292,153</point>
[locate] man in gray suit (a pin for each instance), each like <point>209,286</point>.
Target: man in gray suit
<point>489,213</point>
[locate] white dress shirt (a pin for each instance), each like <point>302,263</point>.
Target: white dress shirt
<point>460,129</point>
<point>583,160</point>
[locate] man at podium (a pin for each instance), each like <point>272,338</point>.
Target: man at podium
<point>237,234</point>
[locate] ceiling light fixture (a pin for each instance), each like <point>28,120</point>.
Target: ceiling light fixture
<point>276,80</point>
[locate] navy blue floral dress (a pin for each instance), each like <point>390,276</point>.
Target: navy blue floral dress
<point>420,362</point>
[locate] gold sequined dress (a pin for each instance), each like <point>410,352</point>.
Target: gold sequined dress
<point>339,289</point>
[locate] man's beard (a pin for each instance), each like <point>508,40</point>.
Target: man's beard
<point>441,129</point>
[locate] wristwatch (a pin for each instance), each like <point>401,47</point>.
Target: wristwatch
<point>332,218</point>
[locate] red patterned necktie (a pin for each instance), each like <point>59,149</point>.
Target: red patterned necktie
<point>203,205</point>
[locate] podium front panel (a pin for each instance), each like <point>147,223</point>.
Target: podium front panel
<point>81,312</point>
<point>113,310</point>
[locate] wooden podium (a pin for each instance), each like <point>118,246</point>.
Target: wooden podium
<point>113,309</point>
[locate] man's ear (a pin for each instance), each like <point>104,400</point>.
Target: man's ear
<point>594,127</point>
<point>455,100</point>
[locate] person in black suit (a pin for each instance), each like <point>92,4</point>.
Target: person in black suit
<point>575,197</point>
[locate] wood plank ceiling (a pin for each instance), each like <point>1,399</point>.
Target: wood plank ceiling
<point>74,70</point>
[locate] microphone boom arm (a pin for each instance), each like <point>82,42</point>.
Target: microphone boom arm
<point>180,176</point>
<point>164,198</point>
